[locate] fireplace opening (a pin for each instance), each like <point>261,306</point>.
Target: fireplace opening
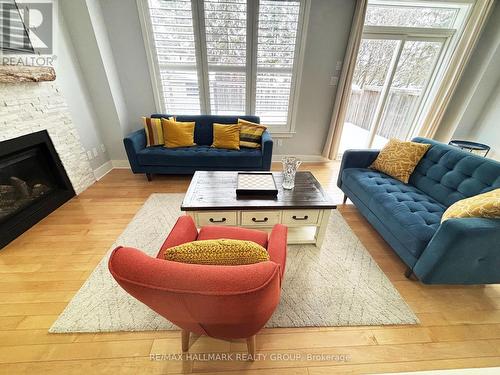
<point>33,183</point>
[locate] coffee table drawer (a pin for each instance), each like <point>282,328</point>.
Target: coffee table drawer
<point>216,218</point>
<point>260,218</point>
<point>300,217</point>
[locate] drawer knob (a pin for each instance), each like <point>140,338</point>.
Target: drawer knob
<point>300,218</point>
<point>255,220</point>
<point>212,220</point>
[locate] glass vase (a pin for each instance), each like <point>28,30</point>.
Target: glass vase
<point>290,166</point>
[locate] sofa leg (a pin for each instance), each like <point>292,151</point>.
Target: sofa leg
<point>149,176</point>
<point>185,340</point>
<point>345,199</point>
<point>409,274</point>
<point>251,347</point>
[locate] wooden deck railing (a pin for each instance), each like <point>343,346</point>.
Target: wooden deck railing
<point>396,121</point>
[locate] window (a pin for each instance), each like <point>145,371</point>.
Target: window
<point>277,34</point>
<point>225,57</point>
<point>14,37</point>
<point>225,33</point>
<point>404,52</point>
<point>175,52</point>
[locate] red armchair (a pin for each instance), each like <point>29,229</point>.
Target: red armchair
<point>225,302</point>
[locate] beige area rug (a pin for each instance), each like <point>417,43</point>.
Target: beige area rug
<point>337,285</point>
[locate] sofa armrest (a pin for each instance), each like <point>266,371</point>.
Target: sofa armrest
<point>356,159</point>
<point>277,246</point>
<point>135,142</point>
<point>267,150</point>
<point>183,231</point>
<point>462,251</point>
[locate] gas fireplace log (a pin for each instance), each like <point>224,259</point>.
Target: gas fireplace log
<point>7,193</point>
<point>22,187</point>
<point>39,189</point>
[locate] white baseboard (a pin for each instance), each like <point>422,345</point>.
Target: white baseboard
<point>103,170</point>
<point>124,164</point>
<point>304,158</point>
<point>120,164</point>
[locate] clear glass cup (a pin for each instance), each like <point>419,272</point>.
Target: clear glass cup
<point>290,166</point>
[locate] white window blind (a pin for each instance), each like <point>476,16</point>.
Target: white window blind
<point>174,44</point>
<point>277,37</point>
<point>225,33</point>
<point>13,33</point>
<point>226,57</point>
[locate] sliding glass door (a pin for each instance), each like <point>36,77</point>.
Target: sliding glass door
<point>391,77</point>
<point>403,56</point>
<point>408,85</point>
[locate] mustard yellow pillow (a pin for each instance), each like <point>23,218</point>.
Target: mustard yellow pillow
<point>218,252</point>
<point>481,205</point>
<point>178,134</point>
<point>226,136</point>
<point>250,133</point>
<point>398,159</point>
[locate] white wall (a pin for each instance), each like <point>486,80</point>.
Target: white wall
<point>327,35</point>
<point>71,81</point>
<point>125,36</point>
<point>487,129</point>
<point>474,111</point>
<point>89,37</point>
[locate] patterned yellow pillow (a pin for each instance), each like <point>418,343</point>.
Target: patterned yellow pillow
<point>154,131</point>
<point>481,205</point>
<point>218,252</point>
<point>250,133</point>
<point>398,159</point>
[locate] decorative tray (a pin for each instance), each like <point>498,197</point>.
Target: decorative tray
<point>255,185</point>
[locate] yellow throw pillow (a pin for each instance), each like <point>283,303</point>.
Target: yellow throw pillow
<point>250,133</point>
<point>178,134</point>
<point>398,159</point>
<point>154,131</point>
<point>226,136</point>
<point>218,252</point>
<point>481,205</point>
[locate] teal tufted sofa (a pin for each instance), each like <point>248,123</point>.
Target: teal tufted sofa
<point>408,216</point>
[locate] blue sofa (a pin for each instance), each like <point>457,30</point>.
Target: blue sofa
<point>202,157</point>
<point>407,216</point>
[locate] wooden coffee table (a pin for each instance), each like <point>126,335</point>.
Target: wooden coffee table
<point>211,200</point>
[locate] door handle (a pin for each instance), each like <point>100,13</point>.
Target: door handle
<point>300,218</point>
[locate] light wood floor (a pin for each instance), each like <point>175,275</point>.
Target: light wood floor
<point>42,270</point>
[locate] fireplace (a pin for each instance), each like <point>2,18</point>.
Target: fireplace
<point>33,183</point>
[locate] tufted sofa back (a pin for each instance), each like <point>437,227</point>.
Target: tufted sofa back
<point>203,131</point>
<point>449,174</point>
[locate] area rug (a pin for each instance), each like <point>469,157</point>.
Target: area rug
<point>337,285</point>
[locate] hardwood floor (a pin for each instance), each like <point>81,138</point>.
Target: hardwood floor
<point>41,271</point>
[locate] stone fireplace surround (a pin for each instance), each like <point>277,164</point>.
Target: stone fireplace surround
<point>29,107</point>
